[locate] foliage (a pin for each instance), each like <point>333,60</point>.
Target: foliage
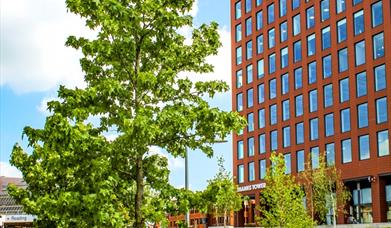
<point>282,198</point>
<point>78,178</point>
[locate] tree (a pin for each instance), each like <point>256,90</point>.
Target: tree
<point>325,190</point>
<point>282,198</point>
<point>221,196</point>
<point>75,176</point>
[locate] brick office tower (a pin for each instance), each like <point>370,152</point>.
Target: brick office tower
<point>310,77</point>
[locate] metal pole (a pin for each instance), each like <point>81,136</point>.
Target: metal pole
<point>187,219</point>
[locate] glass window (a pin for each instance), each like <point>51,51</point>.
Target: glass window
<point>300,133</point>
<point>259,20</point>
<point>240,174</point>
<point>380,77</point>
<point>249,49</point>
<point>248,6</point>
<point>295,4</point>
<point>346,150</point>
<point>273,139</point>
<point>285,110</point>
<point>272,39</point>
<point>381,110</point>
<point>297,51</point>
<point>361,84</point>
<point>239,102</point>
<point>315,157</point>
<point>312,72</point>
<point>298,78</point>
<point>270,13</point>
<point>311,45</point>
<point>329,124</point>
<point>285,83</point>
<point>378,46</point>
<point>330,154</point>
<point>238,55</point>
<point>251,171</point>
<point>272,63</point>
<point>240,149</point>
<point>344,90</point>
<point>250,146</point>
<point>239,79</point>
<point>341,30</point>
<point>296,25</point>
<point>310,17</point>
<point>314,129</point>
<point>261,118</point>
<point>284,57</point>
<point>313,100</point>
<point>345,120</point>
<point>328,95</point>
<point>286,136</point>
<point>299,105</point>
<point>262,143</point>
<point>287,160</point>
<point>249,74</point>
<point>283,31</point>
<point>377,13</point>
<point>343,59</point>
<point>238,32</point>
<point>362,112</point>
<point>259,2</point>
<point>273,88</point>
<point>359,22</point>
<point>250,98</point>
<point>261,93</point>
<point>282,8</point>
<point>363,143</point>
<point>355,2</point>
<point>250,122</point>
<point>259,44</point>
<point>388,193</point>
<point>300,160</point>
<point>383,148</point>
<point>341,5</point>
<point>327,66</point>
<point>261,68</point>
<point>359,49</point>
<point>273,114</point>
<point>326,38</point>
<point>248,26</point>
<point>238,11</point>
<point>262,169</point>
<point>325,9</point>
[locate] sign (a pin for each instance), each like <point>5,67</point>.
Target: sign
<point>18,218</point>
<point>251,187</point>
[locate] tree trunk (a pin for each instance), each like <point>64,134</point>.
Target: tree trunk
<point>225,218</point>
<point>139,221</point>
<point>333,202</point>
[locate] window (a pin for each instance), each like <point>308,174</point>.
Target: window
<point>259,2</point>
<point>378,45</point>
<point>296,25</point>
<point>239,102</point>
<point>361,84</point>
<point>286,136</point>
<point>329,124</point>
<point>239,79</point>
<point>238,55</point>
<point>262,143</point>
<point>341,30</point>
<point>238,32</point>
<point>315,157</point>
<point>345,120</point>
<point>299,105</point>
<point>250,146</point>
<point>363,142</point>
<point>270,13</point>
<point>359,49</point>
<point>259,44</point>
<point>273,139</point>
<point>261,93</point>
<point>325,9</point>
<point>344,90</point>
<point>343,59</point>
<point>383,143</point>
<point>381,110</point>
<point>311,45</point>
<point>355,2</point>
<point>251,171</point>
<point>272,38</point>
<point>377,13</point>
<point>310,17</point>
<point>248,26</point>
<point>262,169</point>
<point>287,160</point>
<point>330,154</point>
<point>300,160</point>
<point>248,6</point>
<point>314,132</point>
<point>283,6</point>
<point>284,57</point>
<point>272,63</point>
<point>341,5</point>
<point>261,118</point>
<point>300,133</point>
<point>312,72</point>
<point>298,78</point>
<point>358,22</point>
<point>313,100</point>
<point>261,68</point>
<point>238,10</point>
<point>326,38</point>
<point>362,112</point>
<point>250,98</point>
<point>259,20</point>
<point>327,66</point>
<point>249,74</point>
<point>380,77</point>
<point>240,174</point>
<point>346,150</point>
<point>285,83</point>
<point>328,95</point>
<point>273,88</point>
<point>249,49</point>
<point>250,121</point>
<point>273,114</point>
<point>283,31</point>
<point>297,51</point>
<point>240,149</point>
<point>295,4</point>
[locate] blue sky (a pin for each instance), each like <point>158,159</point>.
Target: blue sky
<point>34,62</point>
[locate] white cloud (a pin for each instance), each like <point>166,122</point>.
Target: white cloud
<point>9,171</point>
<point>173,163</point>
<point>43,107</point>
<point>194,10</point>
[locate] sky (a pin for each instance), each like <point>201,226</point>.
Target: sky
<point>34,62</point>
